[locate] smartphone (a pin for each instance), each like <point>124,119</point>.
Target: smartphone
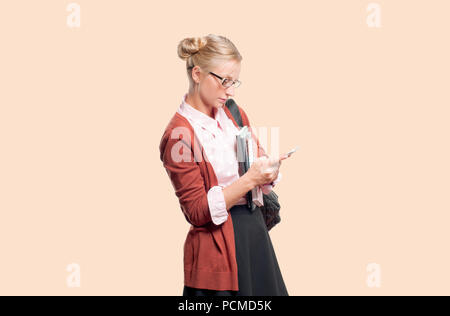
<point>289,153</point>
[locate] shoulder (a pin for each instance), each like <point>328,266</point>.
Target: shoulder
<point>244,116</point>
<point>178,128</point>
<point>245,120</point>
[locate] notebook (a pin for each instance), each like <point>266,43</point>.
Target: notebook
<point>246,155</point>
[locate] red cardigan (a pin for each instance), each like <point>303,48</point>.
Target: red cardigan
<point>209,249</point>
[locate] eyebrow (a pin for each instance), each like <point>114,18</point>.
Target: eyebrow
<point>229,77</point>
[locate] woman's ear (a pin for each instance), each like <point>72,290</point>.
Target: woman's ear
<point>196,74</point>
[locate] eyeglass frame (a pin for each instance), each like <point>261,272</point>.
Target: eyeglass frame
<point>223,79</point>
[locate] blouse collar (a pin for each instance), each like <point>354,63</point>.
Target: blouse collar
<point>199,117</point>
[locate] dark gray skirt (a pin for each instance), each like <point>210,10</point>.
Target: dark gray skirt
<point>258,270</point>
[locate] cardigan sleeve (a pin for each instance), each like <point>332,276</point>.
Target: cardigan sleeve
<point>184,173</point>
<point>266,188</point>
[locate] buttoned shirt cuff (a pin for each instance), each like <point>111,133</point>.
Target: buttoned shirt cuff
<point>217,206</point>
<point>266,188</point>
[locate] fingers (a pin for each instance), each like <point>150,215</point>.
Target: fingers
<point>275,176</point>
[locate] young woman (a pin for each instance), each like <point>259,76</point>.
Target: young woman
<point>228,250</point>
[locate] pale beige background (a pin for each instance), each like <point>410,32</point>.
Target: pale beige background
<point>83,110</point>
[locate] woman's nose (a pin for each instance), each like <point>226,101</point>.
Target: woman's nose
<point>230,91</point>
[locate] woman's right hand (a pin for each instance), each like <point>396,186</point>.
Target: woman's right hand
<point>264,170</point>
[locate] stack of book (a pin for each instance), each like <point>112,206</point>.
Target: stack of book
<point>246,155</point>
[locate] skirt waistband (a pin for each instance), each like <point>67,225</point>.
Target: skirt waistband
<point>239,207</point>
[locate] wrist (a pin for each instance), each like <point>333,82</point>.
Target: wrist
<point>250,183</point>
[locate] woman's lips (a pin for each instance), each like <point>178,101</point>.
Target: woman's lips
<point>222,100</point>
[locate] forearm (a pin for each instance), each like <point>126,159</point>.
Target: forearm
<point>236,190</point>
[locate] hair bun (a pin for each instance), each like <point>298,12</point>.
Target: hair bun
<point>190,46</point>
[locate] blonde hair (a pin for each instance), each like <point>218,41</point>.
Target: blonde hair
<point>207,52</point>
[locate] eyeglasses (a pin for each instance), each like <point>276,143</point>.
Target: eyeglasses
<point>227,82</point>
